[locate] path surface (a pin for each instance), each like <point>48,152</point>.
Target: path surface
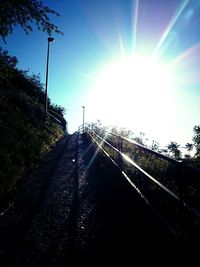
<point>74,207</point>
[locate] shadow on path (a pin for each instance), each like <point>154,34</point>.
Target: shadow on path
<point>112,219</point>
<point>76,208</point>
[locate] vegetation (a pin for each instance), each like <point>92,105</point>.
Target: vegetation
<point>25,13</point>
<point>173,147</point>
<point>196,139</point>
<point>26,135</point>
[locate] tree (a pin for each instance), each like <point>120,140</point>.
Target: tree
<point>173,147</point>
<point>25,13</point>
<point>196,140</point>
<point>189,148</point>
<point>155,145</point>
<point>6,60</point>
<point>58,109</point>
<point>7,65</point>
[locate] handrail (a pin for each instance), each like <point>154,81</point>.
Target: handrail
<point>172,194</point>
<point>56,119</point>
<point>155,211</point>
<point>147,149</point>
<point>155,153</point>
<point>60,122</point>
<point>139,168</point>
<point>83,128</point>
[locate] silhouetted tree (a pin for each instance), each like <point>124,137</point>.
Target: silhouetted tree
<point>173,147</point>
<point>196,139</point>
<point>58,109</point>
<point>25,13</point>
<point>189,147</point>
<point>7,66</point>
<point>155,145</point>
<point>6,60</point>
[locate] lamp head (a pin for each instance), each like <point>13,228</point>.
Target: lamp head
<point>50,39</point>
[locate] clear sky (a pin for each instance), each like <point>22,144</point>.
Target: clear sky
<point>132,63</point>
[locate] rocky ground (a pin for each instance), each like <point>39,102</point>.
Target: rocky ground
<point>74,207</point>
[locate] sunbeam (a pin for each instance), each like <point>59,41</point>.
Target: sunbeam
<point>85,75</point>
<point>121,45</point>
<point>134,24</point>
<point>186,65</point>
<point>157,51</point>
<point>96,151</point>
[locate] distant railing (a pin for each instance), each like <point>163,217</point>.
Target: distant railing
<point>61,122</point>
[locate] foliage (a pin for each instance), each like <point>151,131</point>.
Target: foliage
<point>189,147</point>
<point>25,135</point>
<point>58,109</point>
<point>155,145</point>
<point>196,140</point>
<point>7,65</point>
<point>173,147</point>
<point>25,13</point>
<point>6,60</point>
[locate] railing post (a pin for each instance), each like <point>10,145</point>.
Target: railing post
<point>83,119</point>
<point>120,147</point>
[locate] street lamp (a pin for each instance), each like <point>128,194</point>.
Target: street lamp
<point>83,118</point>
<point>50,39</point>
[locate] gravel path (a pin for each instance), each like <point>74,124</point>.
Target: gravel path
<point>74,207</point>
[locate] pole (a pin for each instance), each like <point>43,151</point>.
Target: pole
<point>50,39</point>
<point>46,85</point>
<point>83,119</point>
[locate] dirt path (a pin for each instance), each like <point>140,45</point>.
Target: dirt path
<point>76,206</point>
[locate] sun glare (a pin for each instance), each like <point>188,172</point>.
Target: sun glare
<point>133,92</point>
<point>151,83</point>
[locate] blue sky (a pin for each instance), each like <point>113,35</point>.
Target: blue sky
<point>97,35</point>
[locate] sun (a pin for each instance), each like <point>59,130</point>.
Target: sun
<point>135,90</point>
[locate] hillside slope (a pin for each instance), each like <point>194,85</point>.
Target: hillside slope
<point>26,135</point>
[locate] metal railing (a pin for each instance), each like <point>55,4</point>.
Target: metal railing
<point>57,121</point>
<point>103,140</point>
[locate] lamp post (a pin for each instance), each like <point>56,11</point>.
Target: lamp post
<point>50,39</point>
<point>83,118</point>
